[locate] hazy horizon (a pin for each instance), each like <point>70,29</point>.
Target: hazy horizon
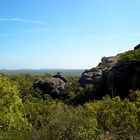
<point>40,69</point>
<point>60,34</point>
<point>68,72</point>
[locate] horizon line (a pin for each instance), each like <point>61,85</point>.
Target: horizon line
<point>41,69</point>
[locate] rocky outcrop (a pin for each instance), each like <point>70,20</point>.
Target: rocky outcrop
<point>96,76</point>
<point>93,76</point>
<point>137,47</point>
<point>123,78</point>
<point>112,78</point>
<point>53,85</point>
<point>108,62</point>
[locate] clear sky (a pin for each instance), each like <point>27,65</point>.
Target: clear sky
<point>65,33</point>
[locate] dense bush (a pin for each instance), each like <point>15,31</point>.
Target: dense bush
<point>55,120</point>
<point>26,113</point>
<point>129,55</point>
<point>120,119</point>
<point>12,119</point>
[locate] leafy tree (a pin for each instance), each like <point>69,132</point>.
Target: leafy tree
<point>11,116</point>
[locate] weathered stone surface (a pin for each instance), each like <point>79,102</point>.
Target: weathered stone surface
<point>92,76</point>
<point>123,78</point>
<point>96,75</point>
<point>108,62</point>
<point>60,76</point>
<point>112,78</point>
<point>52,85</point>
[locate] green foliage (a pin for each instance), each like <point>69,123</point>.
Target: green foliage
<point>84,95</point>
<point>75,94</point>
<point>11,115</point>
<point>118,118</point>
<point>25,82</point>
<point>26,113</point>
<point>129,55</point>
<point>55,120</point>
<point>134,96</point>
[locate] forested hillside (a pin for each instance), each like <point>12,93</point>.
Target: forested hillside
<point>72,112</point>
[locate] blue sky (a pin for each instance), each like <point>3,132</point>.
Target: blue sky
<point>65,33</point>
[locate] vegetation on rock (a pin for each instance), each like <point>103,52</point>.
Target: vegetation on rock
<point>129,55</point>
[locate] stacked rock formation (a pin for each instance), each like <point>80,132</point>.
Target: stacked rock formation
<point>112,78</point>
<point>51,85</point>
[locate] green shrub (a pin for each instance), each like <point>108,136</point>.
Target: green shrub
<point>115,118</point>
<point>129,55</point>
<point>106,119</point>
<point>55,120</point>
<point>11,116</point>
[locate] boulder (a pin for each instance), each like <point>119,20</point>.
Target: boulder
<point>53,85</point>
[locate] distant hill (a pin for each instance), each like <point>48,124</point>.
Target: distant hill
<point>74,72</point>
